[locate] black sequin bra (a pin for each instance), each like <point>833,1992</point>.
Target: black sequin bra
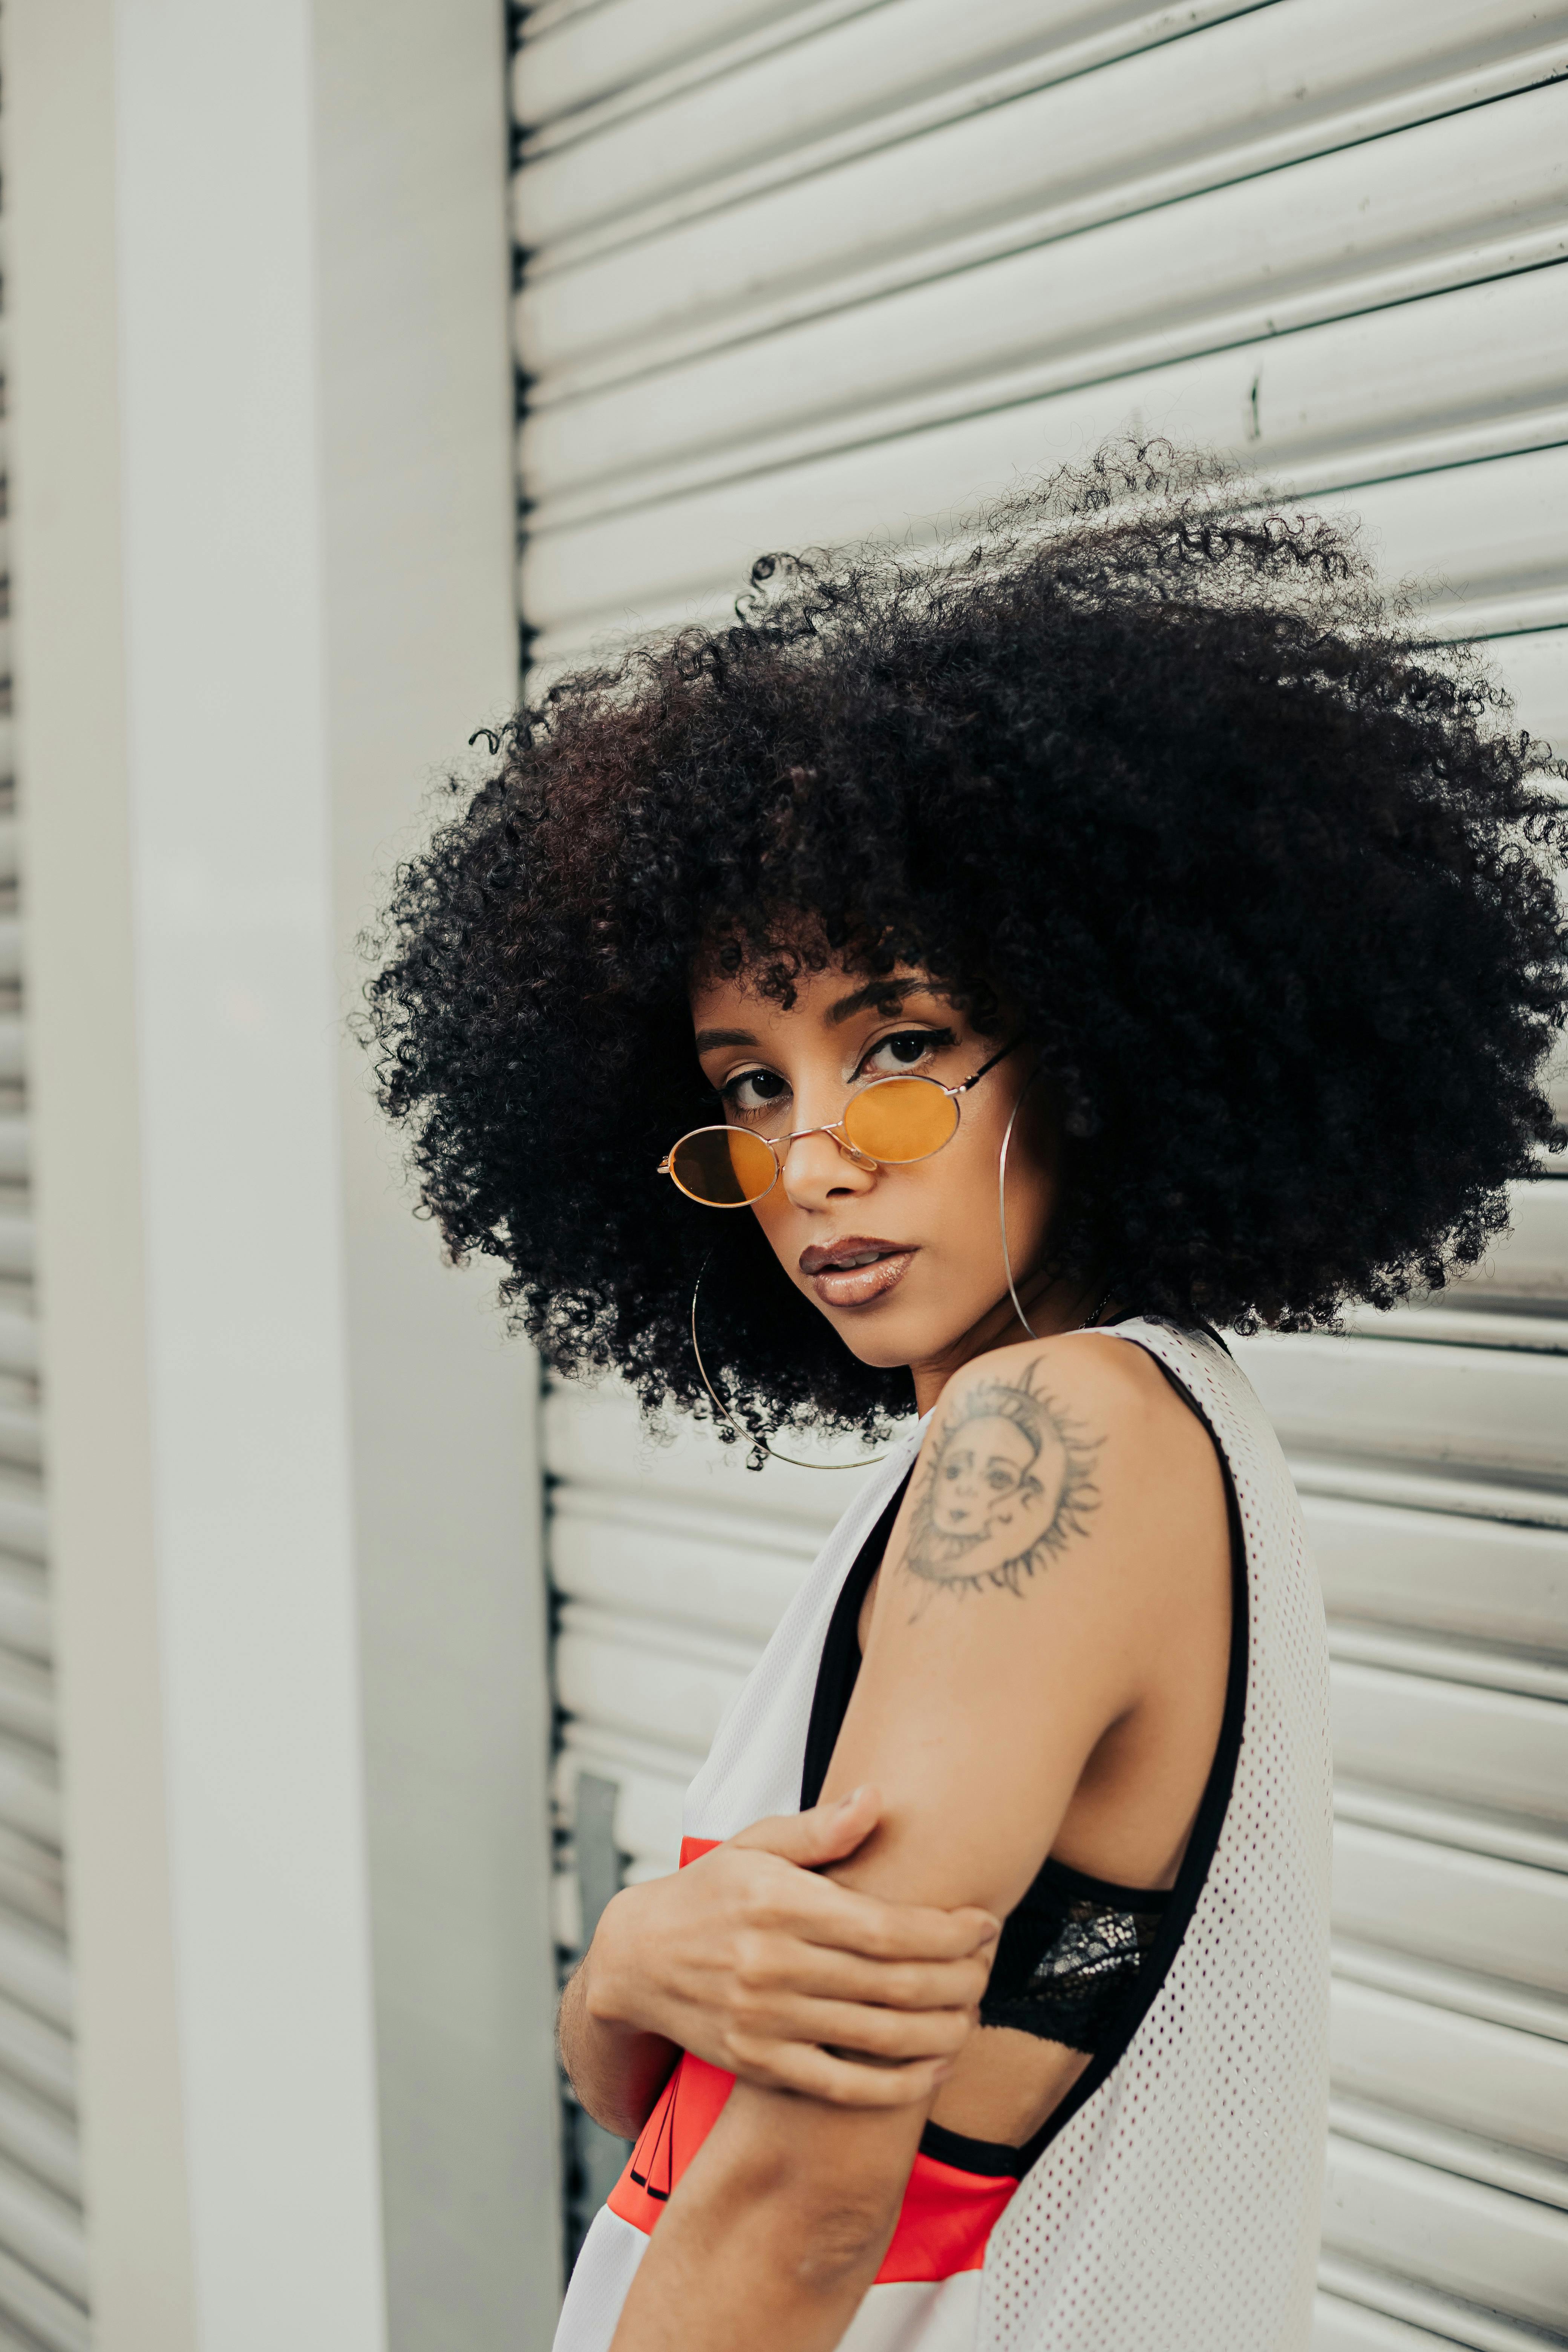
<point>1071,1951</point>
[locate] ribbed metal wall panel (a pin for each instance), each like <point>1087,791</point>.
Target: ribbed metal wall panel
<point>43,2246</point>
<point>794,272</point>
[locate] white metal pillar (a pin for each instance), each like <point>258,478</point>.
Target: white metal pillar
<point>263,514</point>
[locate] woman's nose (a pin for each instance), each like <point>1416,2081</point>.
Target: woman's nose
<point>815,1167</point>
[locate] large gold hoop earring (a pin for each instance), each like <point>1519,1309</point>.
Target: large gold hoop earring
<point>1103,1301</point>
<point>865,1462</point>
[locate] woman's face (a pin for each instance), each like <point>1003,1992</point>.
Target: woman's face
<point>905,1261</point>
<point>981,1466</point>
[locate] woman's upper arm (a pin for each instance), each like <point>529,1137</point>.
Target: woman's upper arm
<point>1032,1585</point>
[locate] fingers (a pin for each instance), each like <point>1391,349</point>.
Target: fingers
<point>800,1902</point>
<point>823,1974</point>
<point>826,1912</point>
<point>888,2035</point>
<point>851,1922</point>
<point>822,1833</point>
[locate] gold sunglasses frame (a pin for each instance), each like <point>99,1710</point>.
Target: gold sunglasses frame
<point>777,1144</point>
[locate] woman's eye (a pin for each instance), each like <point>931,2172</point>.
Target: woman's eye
<point>903,1050</point>
<point>751,1091</point>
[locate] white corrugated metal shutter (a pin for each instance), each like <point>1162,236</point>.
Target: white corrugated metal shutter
<point>792,272</point>
<point>43,2252</point>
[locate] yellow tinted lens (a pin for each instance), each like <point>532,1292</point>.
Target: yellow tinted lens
<point>723,1166</point>
<point>900,1118</point>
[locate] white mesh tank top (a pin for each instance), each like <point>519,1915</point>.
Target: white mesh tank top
<point>1172,2197</point>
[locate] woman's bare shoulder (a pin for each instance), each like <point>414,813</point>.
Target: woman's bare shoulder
<point>1035,1449</point>
<point>1062,1545</point>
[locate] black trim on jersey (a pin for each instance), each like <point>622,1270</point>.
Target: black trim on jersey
<point>836,1677</point>
<point>835,1684</point>
<point>993,2157</point>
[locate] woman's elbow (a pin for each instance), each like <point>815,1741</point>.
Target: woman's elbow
<point>828,2242</point>
<point>819,2188</point>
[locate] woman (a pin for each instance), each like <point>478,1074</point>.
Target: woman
<point>969,984</point>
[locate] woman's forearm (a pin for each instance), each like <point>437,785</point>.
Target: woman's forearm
<point>776,2231</point>
<point>618,2069</point>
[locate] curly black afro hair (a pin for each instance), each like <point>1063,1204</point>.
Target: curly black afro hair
<point>1269,878</point>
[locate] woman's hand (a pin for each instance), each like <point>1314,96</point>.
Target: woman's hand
<point>749,1959</point>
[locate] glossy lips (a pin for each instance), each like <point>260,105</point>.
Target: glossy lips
<point>855,1270</point>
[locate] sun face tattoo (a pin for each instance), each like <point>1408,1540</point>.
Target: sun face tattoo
<point>1010,1482</point>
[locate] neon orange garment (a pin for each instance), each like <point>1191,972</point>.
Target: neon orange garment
<point>944,2225</point>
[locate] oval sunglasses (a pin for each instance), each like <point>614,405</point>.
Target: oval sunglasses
<point>888,1124</point>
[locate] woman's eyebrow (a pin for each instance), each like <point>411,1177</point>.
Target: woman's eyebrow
<point>885,995</point>
<point>706,1039</point>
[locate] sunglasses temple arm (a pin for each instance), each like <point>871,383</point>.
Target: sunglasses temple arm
<point>986,1068</point>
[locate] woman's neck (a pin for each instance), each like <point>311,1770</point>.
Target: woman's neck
<point>1052,1306</point>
